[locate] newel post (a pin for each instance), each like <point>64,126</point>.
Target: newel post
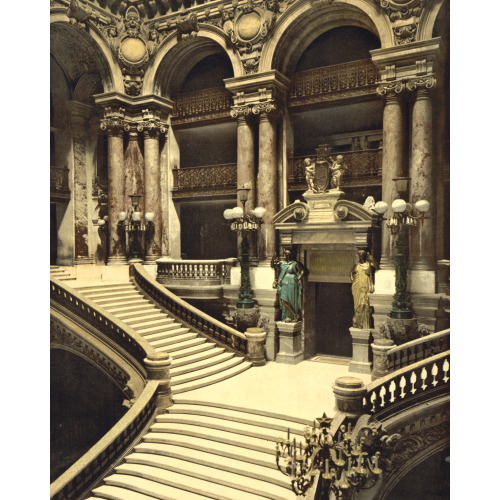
<point>158,368</point>
<point>349,393</point>
<point>380,348</point>
<point>256,346</point>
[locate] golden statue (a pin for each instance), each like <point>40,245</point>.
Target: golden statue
<point>362,285</point>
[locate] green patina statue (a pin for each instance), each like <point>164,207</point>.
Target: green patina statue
<point>287,283</point>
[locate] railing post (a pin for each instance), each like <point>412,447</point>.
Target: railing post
<point>158,368</point>
<point>349,393</point>
<point>380,347</point>
<point>256,346</point>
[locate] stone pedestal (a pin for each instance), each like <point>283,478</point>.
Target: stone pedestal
<point>256,346</point>
<point>360,350</point>
<point>290,345</point>
<point>321,205</point>
<point>380,347</point>
<point>158,368</point>
<point>349,393</point>
<point>401,330</point>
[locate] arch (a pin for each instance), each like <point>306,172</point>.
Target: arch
<point>86,87</point>
<point>299,26</point>
<point>168,69</point>
<point>428,20</point>
<point>95,55</point>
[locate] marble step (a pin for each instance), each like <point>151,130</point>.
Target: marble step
<point>221,446</point>
<point>145,331</point>
<point>172,349</point>
<point>199,361</point>
<point>182,335</point>
<point>150,319</point>
<point>117,493</point>
<point>225,362</point>
<point>170,491</point>
<point>132,301</point>
<point>221,462</point>
<point>203,485</point>
<point>128,311</point>
<point>205,472</point>
<point>181,355</point>
<point>169,332</point>
<point>277,423</point>
<point>122,298</point>
<point>109,286</point>
<point>109,294</point>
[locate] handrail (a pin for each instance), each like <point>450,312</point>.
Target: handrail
<point>407,385</point>
<point>112,328</point>
<point>202,269</point>
<point>418,349</point>
<point>84,473</point>
<point>188,314</point>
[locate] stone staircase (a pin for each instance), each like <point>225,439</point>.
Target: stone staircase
<point>61,273</point>
<point>205,450</point>
<point>196,362</point>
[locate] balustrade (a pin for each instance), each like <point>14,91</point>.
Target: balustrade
<point>207,180</point>
<point>397,389</point>
<point>187,314</point>
<point>214,271</point>
<point>202,104</point>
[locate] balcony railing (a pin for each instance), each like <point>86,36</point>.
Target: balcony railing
<point>59,184</point>
<point>362,168</point>
<point>351,79</point>
<point>212,180</point>
<point>204,104</point>
<point>194,272</point>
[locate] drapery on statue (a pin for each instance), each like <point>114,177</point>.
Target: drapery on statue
<point>288,274</point>
<point>362,285</point>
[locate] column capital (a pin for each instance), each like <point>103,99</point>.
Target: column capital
<point>389,89</point>
<point>421,83</point>
<point>240,112</point>
<point>114,126</point>
<point>152,128</point>
<point>267,109</point>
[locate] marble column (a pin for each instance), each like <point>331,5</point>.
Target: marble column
<point>422,250</point>
<point>267,186</point>
<point>116,195</point>
<point>152,195</point>
<point>393,159</point>
<point>79,117</point>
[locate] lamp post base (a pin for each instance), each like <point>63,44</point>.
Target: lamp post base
<point>245,304</point>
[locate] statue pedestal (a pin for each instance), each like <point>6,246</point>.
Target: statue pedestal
<point>360,350</point>
<point>321,205</point>
<point>256,346</point>
<point>290,345</point>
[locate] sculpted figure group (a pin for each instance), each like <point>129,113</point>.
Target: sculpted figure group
<point>336,170</point>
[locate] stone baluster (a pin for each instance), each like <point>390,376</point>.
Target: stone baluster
<point>116,191</point>
<point>393,158</point>
<point>267,180</point>
<point>152,194</point>
<point>421,173</point>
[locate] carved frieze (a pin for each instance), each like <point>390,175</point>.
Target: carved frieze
<point>61,336</point>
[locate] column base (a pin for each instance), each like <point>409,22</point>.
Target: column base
<point>290,343</point>
<point>84,260</point>
<point>151,259</point>
<point>117,260</point>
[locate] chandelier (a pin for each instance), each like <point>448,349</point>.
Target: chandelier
<point>348,460</point>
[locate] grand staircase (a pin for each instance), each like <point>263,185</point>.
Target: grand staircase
<point>196,362</point>
<point>202,450</point>
<point>61,273</point>
<point>197,449</point>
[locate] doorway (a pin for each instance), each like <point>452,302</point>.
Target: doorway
<point>334,312</point>
<point>53,234</point>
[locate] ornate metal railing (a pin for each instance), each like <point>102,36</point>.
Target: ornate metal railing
<point>362,168</point>
<point>407,386</point>
<point>207,180</point>
<point>417,350</point>
<point>320,84</point>
<point>84,473</point>
<point>110,329</point>
<point>187,314</point>
<point>212,271</point>
<point>59,183</point>
<point>202,104</point>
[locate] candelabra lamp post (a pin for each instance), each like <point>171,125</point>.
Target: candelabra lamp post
<point>136,228</point>
<point>349,460</point>
<point>405,217</point>
<point>244,223</point>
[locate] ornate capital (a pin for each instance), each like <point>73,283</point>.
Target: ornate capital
<point>114,125</point>
<point>269,108</point>
<point>422,83</point>
<point>240,111</point>
<point>391,88</point>
<point>152,128</point>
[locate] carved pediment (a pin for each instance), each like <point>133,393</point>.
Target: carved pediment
<point>296,212</point>
<point>350,210</point>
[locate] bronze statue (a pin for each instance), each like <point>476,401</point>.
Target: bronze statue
<point>288,274</point>
<point>362,285</point>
